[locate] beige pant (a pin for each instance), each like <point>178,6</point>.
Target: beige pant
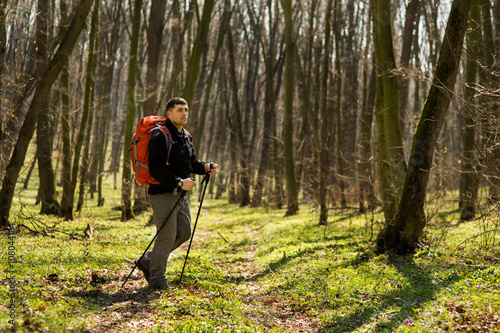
<point>174,233</point>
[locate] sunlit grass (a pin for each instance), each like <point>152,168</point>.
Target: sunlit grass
<point>253,270</point>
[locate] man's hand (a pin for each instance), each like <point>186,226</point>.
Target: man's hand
<point>211,168</point>
<point>188,184</point>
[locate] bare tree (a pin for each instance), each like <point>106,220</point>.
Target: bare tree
<point>324,160</point>
<point>469,181</point>
<point>154,35</point>
<point>404,231</point>
<point>291,182</point>
<point>390,152</point>
<point>43,87</point>
<point>87,110</point>
<point>47,191</point>
<point>127,212</point>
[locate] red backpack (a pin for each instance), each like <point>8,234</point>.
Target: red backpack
<point>140,143</point>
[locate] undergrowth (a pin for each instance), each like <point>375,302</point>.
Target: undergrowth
<point>251,270</point>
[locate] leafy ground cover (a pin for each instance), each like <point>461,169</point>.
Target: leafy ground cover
<point>252,270</point>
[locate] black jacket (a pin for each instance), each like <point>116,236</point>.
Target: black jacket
<point>181,162</point>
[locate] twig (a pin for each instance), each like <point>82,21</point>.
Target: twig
<point>37,224</point>
<point>475,236</point>
<point>222,237</point>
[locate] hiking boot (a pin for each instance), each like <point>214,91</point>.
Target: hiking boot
<point>163,285</point>
<point>143,270</point>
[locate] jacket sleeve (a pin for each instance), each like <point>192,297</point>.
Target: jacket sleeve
<point>157,160</point>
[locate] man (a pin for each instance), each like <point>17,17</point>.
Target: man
<point>172,168</point>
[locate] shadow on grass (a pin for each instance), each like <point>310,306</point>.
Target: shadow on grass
<point>275,265</point>
<point>124,304</point>
<point>420,290</point>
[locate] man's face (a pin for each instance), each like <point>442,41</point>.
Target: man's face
<point>178,115</point>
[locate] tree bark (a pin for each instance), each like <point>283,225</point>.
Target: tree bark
<point>127,212</point>
<point>324,159</point>
<point>403,233</point>
<point>291,182</point>
<point>3,52</point>
<point>469,178</point>
<point>193,67</point>
<point>237,126</point>
<point>404,64</point>
<point>269,52</point>
<point>42,90</point>
<point>67,211</point>
<point>3,47</point>
<point>65,118</point>
<point>491,102</point>
<point>48,197</point>
<point>390,152</point>
<point>365,174</point>
<point>24,81</point>
<point>343,134</point>
<point>154,35</point>
<point>201,118</point>
<point>366,180</point>
<point>176,67</point>
<point>106,101</point>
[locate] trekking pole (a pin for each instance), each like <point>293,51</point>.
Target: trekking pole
<point>183,193</point>
<point>205,180</point>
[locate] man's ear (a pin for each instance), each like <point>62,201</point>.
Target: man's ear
<point>168,114</point>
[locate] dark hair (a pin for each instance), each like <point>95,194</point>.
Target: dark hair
<point>173,102</point>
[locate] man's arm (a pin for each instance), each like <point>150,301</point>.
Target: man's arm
<point>157,160</point>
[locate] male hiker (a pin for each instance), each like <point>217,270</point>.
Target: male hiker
<point>171,164</point>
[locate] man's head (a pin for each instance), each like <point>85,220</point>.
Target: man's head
<point>177,111</point>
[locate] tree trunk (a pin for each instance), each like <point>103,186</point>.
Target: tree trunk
<point>224,24</point>
<point>24,85</point>
<point>342,132</point>
<point>3,48</point>
<point>390,151</point>
<point>365,174</point>
<point>291,182</point>
<point>127,212</point>
<point>491,102</point>
<point>85,161</point>
<point>106,101</point>
<point>176,67</point>
<point>65,119</point>
<point>404,64</point>
<point>469,181</point>
<point>48,196</point>
<point>154,35</point>
<point>269,100</point>
<point>324,160</point>
<point>68,210</point>
<point>404,232</point>
<point>365,170</point>
<point>42,90</point>
<point>237,125</point>
<point>3,52</point>
<point>193,67</point>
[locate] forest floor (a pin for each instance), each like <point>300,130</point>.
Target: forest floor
<point>251,270</point>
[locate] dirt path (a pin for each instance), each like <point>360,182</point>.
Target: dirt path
<point>270,311</point>
<point>129,309</point>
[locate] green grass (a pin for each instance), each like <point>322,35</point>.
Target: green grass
<point>253,270</point>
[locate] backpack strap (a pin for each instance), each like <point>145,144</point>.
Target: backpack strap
<point>168,140</point>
